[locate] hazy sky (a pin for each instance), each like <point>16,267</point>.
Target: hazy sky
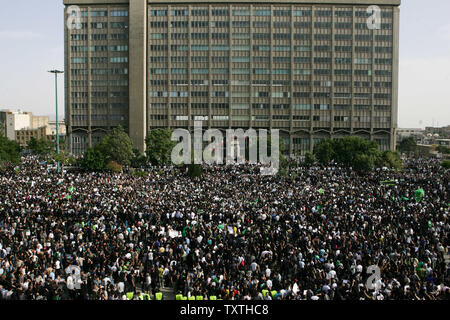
<point>31,37</point>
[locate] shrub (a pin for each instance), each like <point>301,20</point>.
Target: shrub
<point>114,167</point>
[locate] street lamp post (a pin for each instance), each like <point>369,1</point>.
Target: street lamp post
<point>56,72</point>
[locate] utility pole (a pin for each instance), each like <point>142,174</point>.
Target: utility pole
<point>56,72</point>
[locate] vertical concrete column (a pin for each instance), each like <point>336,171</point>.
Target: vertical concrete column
<point>138,73</point>
<point>395,55</point>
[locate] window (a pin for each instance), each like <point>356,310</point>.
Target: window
<point>302,13</point>
<point>179,13</point>
<point>219,48</point>
<point>199,48</point>
<point>241,71</point>
<point>200,12</point>
<point>78,60</point>
<point>199,24</point>
<point>98,37</point>
<point>302,48</point>
<point>261,12</point>
<point>281,13</point>
<point>99,25</point>
<point>244,36</point>
<point>119,59</point>
<point>158,13</point>
<point>99,13</point>
<point>119,36</point>
<point>179,24</point>
<point>119,13</point>
<point>302,71</point>
<point>261,71</point>
<point>220,12</point>
<point>301,107</point>
<point>200,71</point>
<point>241,12</point>
<point>241,48</point>
<point>282,48</point>
<point>178,71</point>
<point>159,71</point>
<point>241,24</point>
<point>119,25</point>
<point>158,36</point>
<point>240,106</point>
<point>240,59</point>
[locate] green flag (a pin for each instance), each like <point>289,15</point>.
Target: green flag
<point>221,227</point>
<point>419,194</point>
<point>71,189</point>
<point>321,191</point>
<point>184,231</point>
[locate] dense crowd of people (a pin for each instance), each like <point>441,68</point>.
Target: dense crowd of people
<point>233,234</point>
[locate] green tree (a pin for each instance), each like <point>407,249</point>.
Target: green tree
<point>446,164</point>
<point>159,146</point>
<point>195,170</point>
<point>309,158</point>
<point>93,160</point>
<point>407,145</point>
<point>346,150</point>
<point>9,152</point>
<point>443,149</point>
<point>41,147</point>
<point>117,146</point>
<point>324,151</point>
<point>139,160</point>
<point>391,160</point>
<point>363,162</point>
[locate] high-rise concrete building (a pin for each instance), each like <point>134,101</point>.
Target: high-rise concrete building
<point>314,69</point>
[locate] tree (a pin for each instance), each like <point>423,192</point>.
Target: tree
<point>159,146</point>
<point>41,147</point>
<point>363,162</point>
<point>346,150</point>
<point>114,167</point>
<point>443,149</point>
<point>93,160</point>
<point>139,160</point>
<point>309,159</point>
<point>407,145</point>
<point>391,160</point>
<point>9,152</point>
<point>116,146</point>
<point>446,164</point>
<point>324,151</point>
<point>195,170</point>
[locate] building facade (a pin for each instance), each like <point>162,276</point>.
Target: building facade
<point>312,69</point>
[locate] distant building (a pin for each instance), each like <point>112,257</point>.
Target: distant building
<point>416,133</point>
<point>22,126</point>
<point>24,136</point>
<point>443,132</point>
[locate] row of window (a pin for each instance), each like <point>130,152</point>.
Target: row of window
<point>104,13</point>
<point>277,48</point>
<point>256,24</point>
<point>256,59</point>
<point>265,94</point>
<point>265,12</point>
<point>327,118</point>
<point>300,107</point>
<point>98,48</point>
<point>256,36</point>
<point>100,117</point>
<point>99,37</point>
